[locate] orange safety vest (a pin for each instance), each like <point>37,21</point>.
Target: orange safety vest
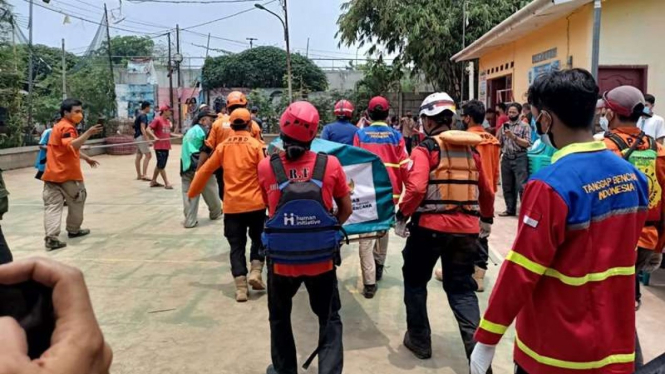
<point>453,184</point>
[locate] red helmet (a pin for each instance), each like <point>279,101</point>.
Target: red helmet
<point>300,121</point>
<point>344,108</point>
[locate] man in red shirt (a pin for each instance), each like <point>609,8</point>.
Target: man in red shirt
<point>160,131</point>
<point>299,168</point>
<point>445,196</point>
<point>63,179</point>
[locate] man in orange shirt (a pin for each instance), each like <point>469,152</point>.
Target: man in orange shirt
<point>625,107</point>
<point>221,129</point>
<point>63,179</point>
<point>239,156</point>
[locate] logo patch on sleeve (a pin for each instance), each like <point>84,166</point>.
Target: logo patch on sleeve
<point>529,221</point>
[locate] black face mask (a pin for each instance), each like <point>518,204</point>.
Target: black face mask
<point>514,118</point>
<point>546,138</point>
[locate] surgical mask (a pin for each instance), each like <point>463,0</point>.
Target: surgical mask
<point>546,137</point>
<point>604,123</point>
<point>77,118</point>
<point>514,118</point>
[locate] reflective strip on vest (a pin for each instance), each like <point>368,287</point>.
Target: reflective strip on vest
<point>492,327</point>
<point>453,184</point>
<point>524,262</point>
<point>575,365</point>
<point>391,165</point>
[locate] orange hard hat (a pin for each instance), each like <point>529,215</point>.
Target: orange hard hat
<point>236,98</point>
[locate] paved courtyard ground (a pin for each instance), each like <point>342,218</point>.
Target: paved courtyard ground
<point>164,296</point>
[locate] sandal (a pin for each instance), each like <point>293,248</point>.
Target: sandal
<point>169,187</point>
<point>156,184</point>
<point>146,179</point>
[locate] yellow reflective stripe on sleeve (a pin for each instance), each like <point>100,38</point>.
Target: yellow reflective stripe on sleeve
<point>591,277</point>
<point>571,281</point>
<point>612,359</point>
<point>526,263</point>
<point>396,196</point>
<point>492,327</point>
<point>405,161</point>
<point>389,165</point>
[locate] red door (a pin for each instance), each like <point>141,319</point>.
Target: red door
<point>610,77</point>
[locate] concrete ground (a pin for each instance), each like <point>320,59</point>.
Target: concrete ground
<point>164,295</point>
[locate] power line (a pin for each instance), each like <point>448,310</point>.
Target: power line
<point>191,1</point>
<point>227,17</point>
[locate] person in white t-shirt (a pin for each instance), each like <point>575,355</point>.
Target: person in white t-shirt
<point>652,124</point>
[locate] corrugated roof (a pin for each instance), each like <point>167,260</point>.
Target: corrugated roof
<point>532,17</point>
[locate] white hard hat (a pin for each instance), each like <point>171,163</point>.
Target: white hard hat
<point>436,103</point>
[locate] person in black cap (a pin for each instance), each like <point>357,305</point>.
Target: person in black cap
<point>255,117</point>
<point>189,158</point>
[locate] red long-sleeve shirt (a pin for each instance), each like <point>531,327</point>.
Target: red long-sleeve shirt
<point>423,162</point>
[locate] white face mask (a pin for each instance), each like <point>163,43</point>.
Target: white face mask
<point>604,123</point>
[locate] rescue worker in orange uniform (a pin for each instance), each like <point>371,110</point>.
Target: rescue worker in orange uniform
<point>221,129</point>
<point>239,156</point>
<point>624,108</point>
<point>489,149</point>
<point>302,239</point>
<point>447,197</point>
<point>569,279</point>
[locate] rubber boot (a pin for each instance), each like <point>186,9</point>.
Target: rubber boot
<point>255,278</point>
<point>479,277</point>
<point>241,289</point>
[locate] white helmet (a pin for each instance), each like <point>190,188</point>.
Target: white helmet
<point>436,103</point>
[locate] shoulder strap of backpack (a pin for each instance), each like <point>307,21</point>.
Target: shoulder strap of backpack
<point>638,141</point>
<point>616,139</point>
<point>278,169</point>
<point>430,144</point>
<point>320,168</point>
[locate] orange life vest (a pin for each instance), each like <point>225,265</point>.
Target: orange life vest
<point>453,184</point>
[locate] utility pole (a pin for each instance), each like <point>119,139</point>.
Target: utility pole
<point>307,50</point>
<point>207,46</point>
<point>177,48</point>
<point>64,71</point>
<point>108,41</point>
<point>595,49</point>
<point>288,50</point>
<point>463,46</point>
<point>170,69</point>
<point>31,65</point>
<point>251,42</point>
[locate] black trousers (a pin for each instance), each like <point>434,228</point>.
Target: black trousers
<point>514,174</point>
<point>458,254</point>
<point>236,227</point>
<point>483,254</point>
<point>5,253</point>
<point>219,175</point>
<point>325,303</point>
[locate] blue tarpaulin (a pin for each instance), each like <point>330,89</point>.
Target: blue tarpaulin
<point>371,189</point>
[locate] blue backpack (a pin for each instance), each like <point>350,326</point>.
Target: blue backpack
<point>302,231</point>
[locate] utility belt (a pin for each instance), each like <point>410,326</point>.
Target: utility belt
<point>514,155</point>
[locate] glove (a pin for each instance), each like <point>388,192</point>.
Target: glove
<point>654,263</point>
<point>401,225</point>
<point>481,358</point>
<point>485,227</point>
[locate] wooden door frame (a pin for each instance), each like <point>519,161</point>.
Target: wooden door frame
<point>644,68</point>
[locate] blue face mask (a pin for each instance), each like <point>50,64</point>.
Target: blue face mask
<point>604,123</point>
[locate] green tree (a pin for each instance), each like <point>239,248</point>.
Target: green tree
<point>262,67</point>
<point>124,47</point>
<point>423,34</point>
<point>11,83</point>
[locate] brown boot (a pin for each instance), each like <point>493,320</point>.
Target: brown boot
<point>479,277</point>
<point>255,279</point>
<point>241,289</point>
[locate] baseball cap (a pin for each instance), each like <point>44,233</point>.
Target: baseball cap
<point>625,101</point>
<point>205,112</point>
<point>378,103</point>
<point>164,108</point>
<point>240,116</point>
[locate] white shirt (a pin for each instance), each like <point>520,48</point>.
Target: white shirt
<point>654,126</point>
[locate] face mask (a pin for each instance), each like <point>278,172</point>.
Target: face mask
<point>604,123</point>
<point>546,137</point>
<point>514,118</point>
<point>77,118</point>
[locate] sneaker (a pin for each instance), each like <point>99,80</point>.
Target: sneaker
<point>379,272</point>
<point>53,244</point>
<point>369,291</point>
<point>78,234</point>
<point>271,370</point>
<point>421,353</point>
<point>507,214</point>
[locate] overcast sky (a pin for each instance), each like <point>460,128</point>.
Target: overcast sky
<point>314,19</point>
